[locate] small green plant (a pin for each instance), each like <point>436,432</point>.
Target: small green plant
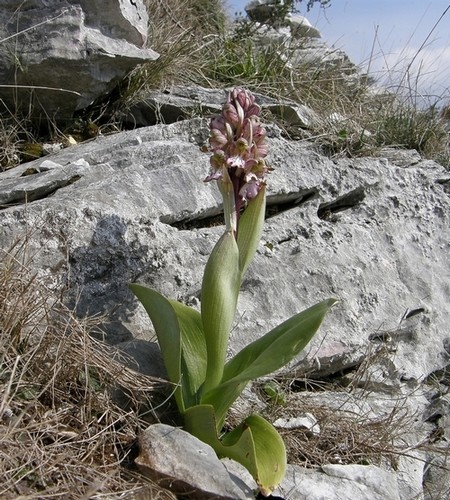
<point>194,344</point>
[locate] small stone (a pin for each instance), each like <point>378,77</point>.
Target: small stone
<point>307,421</point>
<point>186,465</point>
<point>52,147</point>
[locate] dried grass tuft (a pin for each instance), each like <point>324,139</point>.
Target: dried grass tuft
<point>352,428</point>
<point>61,435</point>
<point>347,438</point>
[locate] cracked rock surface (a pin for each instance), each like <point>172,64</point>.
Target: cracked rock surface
<point>133,207</point>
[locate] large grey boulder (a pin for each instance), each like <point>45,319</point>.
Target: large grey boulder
<point>133,207</point>
<point>126,19</point>
<point>57,57</point>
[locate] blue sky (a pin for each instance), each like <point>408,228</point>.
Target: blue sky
<point>393,32</point>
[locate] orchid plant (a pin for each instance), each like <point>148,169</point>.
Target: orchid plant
<point>193,343</point>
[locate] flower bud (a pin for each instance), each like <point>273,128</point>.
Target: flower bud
<point>230,114</point>
<point>217,139</point>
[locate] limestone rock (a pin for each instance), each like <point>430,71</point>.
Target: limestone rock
<point>144,357</point>
<point>401,157</point>
<point>182,102</point>
<point>188,466</point>
<point>316,51</point>
<point>336,482</point>
<point>174,103</point>
<point>307,421</point>
<point>301,27</point>
<point>361,415</point>
<point>298,115</point>
<point>127,19</point>
<point>274,13</point>
<point>58,58</point>
<point>263,10</point>
<point>333,357</point>
<point>302,45</point>
<point>133,207</point>
<point>437,476</point>
<point>240,475</point>
<point>374,232</point>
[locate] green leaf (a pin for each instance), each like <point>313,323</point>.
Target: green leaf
<point>220,289</point>
<point>266,355</point>
<point>180,337</point>
<point>255,444</point>
<point>275,393</point>
<point>278,347</point>
<point>167,330</point>
<point>250,229</point>
<point>193,350</point>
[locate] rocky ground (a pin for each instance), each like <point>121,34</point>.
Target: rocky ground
<point>371,231</point>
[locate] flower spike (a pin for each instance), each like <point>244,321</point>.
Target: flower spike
<point>238,142</point>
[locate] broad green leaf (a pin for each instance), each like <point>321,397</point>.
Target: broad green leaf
<point>179,331</point>
<point>222,397</point>
<point>220,289</point>
<point>167,330</point>
<point>193,349</point>
<point>270,452</point>
<point>278,347</point>
<point>250,229</point>
<point>265,355</point>
<point>255,444</point>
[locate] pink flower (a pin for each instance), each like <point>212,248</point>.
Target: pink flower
<point>238,142</point>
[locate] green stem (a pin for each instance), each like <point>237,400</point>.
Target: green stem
<point>229,205</point>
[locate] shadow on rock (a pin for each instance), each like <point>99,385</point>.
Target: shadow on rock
<point>100,273</point>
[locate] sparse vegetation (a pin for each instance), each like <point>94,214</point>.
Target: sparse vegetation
<point>61,433</point>
<point>356,117</point>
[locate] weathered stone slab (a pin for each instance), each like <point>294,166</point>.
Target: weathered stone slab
<point>186,465</point>
<point>57,57</point>
<point>369,232</point>
<point>336,482</point>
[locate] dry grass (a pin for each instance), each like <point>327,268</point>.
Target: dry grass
<point>179,30</point>
<point>61,435</point>
<point>9,139</point>
<point>351,432</point>
<point>354,120</point>
<point>346,438</point>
